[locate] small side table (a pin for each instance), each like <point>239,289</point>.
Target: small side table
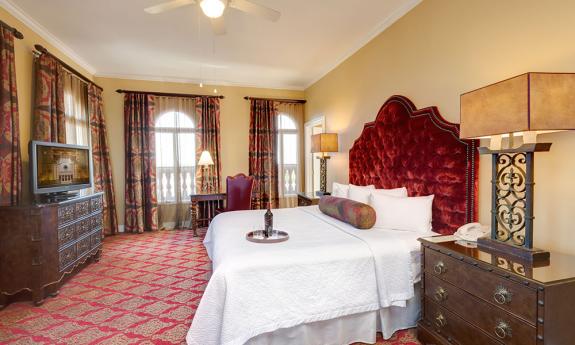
<point>203,208</point>
<point>308,199</point>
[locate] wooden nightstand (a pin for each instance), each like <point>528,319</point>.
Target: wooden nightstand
<point>307,199</point>
<point>474,298</point>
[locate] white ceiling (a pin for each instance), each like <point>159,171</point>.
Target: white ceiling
<point>117,38</point>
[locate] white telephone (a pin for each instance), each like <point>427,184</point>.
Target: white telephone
<point>471,232</point>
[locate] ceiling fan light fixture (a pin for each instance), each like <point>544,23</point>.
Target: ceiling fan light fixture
<point>213,8</point>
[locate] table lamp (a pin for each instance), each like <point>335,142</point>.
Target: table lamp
<point>525,105</point>
<point>205,162</point>
<point>323,143</point>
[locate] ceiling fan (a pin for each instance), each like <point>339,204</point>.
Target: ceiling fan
<point>214,9</point>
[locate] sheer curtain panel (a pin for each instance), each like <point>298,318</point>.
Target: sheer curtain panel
<point>290,157</point>
<point>175,158</point>
<point>76,110</point>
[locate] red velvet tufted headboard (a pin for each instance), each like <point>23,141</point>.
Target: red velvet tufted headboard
<point>420,150</point>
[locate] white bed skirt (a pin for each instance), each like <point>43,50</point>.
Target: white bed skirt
<point>348,329</point>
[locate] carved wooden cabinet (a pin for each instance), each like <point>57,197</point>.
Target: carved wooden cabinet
<point>42,245</point>
<point>471,297</point>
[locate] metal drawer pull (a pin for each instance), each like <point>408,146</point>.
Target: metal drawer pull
<point>502,295</point>
<point>440,294</point>
<point>439,268</point>
<point>503,330</point>
<point>440,320</point>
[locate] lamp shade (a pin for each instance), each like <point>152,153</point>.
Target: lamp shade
<point>206,159</point>
<point>539,102</point>
<point>324,142</point>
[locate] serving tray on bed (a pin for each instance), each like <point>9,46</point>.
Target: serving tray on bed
<point>258,236</point>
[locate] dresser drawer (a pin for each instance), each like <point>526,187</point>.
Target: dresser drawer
<point>96,204</point>
<point>66,235</point>
<point>453,328</point>
<point>82,208</point>
<point>513,297</point>
<point>84,226</point>
<point>83,246</point>
<point>67,256</point>
<point>66,213</point>
<point>492,320</point>
<point>96,239</point>
<point>96,221</point>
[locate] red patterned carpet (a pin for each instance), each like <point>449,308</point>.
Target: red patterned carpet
<point>144,290</point>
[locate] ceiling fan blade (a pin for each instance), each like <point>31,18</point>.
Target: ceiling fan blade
<point>166,6</point>
<point>255,9</point>
<point>218,25</point>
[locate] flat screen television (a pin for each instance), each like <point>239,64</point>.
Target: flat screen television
<point>58,168</point>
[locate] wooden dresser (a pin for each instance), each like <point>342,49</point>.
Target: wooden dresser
<point>43,244</point>
<point>470,297</point>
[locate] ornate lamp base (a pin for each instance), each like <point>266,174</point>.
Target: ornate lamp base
<point>512,217</point>
<point>322,175</point>
<point>532,257</point>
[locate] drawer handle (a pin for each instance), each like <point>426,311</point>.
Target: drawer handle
<point>440,320</point>
<point>440,294</point>
<point>502,295</point>
<point>503,330</point>
<point>439,268</point>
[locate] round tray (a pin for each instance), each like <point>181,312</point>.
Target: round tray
<point>257,236</point>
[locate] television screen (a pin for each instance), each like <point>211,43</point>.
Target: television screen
<point>60,167</point>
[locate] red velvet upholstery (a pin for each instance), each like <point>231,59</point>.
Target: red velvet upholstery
<point>239,192</point>
<point>420,150</point>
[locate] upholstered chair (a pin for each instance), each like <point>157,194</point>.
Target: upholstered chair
<point>238,193</point>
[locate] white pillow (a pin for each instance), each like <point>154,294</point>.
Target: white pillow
<point>340,190</point>
<point>409,214</point>
<point>360,193</point>
<point>396,192</point>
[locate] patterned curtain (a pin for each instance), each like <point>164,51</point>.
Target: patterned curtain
<point>208,139</point>
<point>263,153</point>
<point>101,158</point>
<point>10,159</point>
<point>49,120</point>
<point>139,135</point>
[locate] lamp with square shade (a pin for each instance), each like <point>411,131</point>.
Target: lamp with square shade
<point>323,143</point>
<point>522,106</point>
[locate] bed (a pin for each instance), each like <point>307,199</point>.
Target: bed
<point>331,283</point>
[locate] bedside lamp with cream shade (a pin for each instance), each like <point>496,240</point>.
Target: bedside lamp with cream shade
<point>324,143</point>
<point>522,106</point>
<point>205,162</point>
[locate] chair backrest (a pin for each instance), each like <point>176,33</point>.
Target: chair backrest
<point>239,192</point>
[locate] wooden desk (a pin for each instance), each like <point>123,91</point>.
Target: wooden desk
<point>203,208</point>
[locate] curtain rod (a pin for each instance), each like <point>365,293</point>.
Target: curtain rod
<point>43,50</point>
<point>300,101</point>
<point>167,94</point>
<point>15,32</point>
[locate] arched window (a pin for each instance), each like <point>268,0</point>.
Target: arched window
<point>288,154</point>
<point>175,156</point>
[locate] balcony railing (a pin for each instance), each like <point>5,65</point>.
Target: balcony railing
<point>289,182</point>
<point>166,183</point>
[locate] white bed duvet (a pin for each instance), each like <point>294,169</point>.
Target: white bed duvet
<point>326,270</point>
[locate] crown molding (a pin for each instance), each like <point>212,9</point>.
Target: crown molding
<point>33,25</point>
<point>197,81</point>
<point>378,29</point>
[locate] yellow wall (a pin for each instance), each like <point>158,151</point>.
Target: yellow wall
<point>443,48</point>
<point>24,74</point>
<point>234,122</point>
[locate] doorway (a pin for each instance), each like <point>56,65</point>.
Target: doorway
<point>314,126</point>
